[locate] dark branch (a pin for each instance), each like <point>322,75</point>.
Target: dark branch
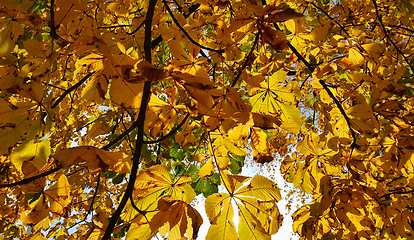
<point>174,130</point>
<point>71,89</point>
<point>136,30</point>
<point>379,17</point>
<point>401,27</point>
<point>188,35</point>
<point>333,19</point>
<point>191,10</point>
<point>341,109</point>
<point>140,125</point>
<point>116,26</point>
<point>337,103</point>
<point>397,192</point>
<point>120,137</point>
<point>30,179</point>
<point>256,40</point>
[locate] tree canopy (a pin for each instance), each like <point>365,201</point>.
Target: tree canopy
<point>114,115</point>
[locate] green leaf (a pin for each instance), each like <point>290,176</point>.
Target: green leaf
<point>119,178</point>
<point>109,174</point>
<point>236,164</point>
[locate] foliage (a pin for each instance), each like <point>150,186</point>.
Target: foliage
<point>114,115</point>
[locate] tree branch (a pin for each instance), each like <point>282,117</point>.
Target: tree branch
<point>256,40</point>
<point>120,137</point>
<point>30,179</point>
<point>174,130</point>
<point>94,196</point>
<point>186,33</point>
<point>337,103</point>
<point>333,19</point>
<point>392,193</point>
<point>116,26</point>
<point>71,89</point>
<point>388,37</point>
<point>401,27</point>
<point>140,125</point>
<point>136,30</point>
<point>191,10</point>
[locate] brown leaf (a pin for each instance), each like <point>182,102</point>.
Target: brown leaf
<point>273,37</point>
<point>151,72</point>
<point>283,16</point>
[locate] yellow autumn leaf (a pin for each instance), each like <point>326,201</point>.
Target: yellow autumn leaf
<point>249,226</point>
<point>177,50</point>
<point>126,94</point>
<point>139,231</point>
<point>96,88</point>
<point>34,48</point>
<point>291,118</point>
<point>151,184</point>
<point>39,212</point>
<point>256,202</point>
<point>220,212</point>
<point>6,43</point>
<point>221,140</point>
<point>283,16</point>
<point>35,152</point>
<point>356,56</point>
<point>376,49</point>
<point>180,218</point>
<point>319,33</point>
<point>207,169</point>
<point>300,217</point>
<point>259,140</point>
<point>59,195</point>
<point>96,159</point>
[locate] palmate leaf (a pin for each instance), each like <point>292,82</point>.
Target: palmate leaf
<point>176,217</point>
<point>273,97</point>
<point>221,214</point>
<point>95,159</point>
<point>166,204</point>
<point>156,182</point>
<point>259,216</point>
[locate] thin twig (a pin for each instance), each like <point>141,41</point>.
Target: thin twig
<point>191,10</point>
<point>256,40</point>
<point>120,137</point>
<point>392,193</point>
<point>379,17</point>
<point>333,19</point>
<point>116,26</point>
<point>188,35</point>
<point>31,179</point>
<point>71,89</point>
<point>337,103</point>
<point>174,130</point>
<point>401,27</point>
